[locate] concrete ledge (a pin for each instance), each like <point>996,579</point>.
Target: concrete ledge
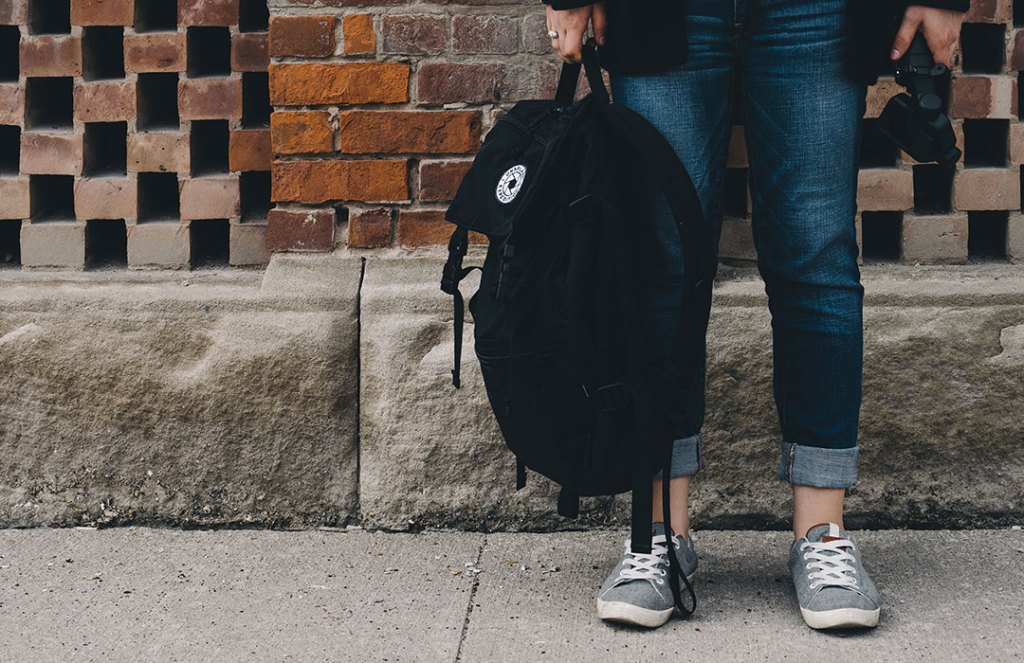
<point>181,398</point>
<point>942,432</point>
<point>234,397</point>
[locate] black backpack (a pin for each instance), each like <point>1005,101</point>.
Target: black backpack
<point>567,372</point>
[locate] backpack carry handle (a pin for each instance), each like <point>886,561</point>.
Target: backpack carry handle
<point>569,78</point>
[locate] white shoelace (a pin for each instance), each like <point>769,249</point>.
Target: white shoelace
<point>642,566</point>
<point>830,563</point>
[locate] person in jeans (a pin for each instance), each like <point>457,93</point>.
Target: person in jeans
<point>803,68</point>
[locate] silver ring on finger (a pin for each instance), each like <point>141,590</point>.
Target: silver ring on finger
<point>552,34</point>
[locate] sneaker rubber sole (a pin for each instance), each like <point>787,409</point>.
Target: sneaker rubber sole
<point>621,612</point>
<point>841,618</point>
<point>627,613</point>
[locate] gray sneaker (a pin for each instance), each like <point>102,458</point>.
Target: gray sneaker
<point>637,591</point>
<point>832,586</point>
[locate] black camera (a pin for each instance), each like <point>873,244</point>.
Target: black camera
<point>917,120</point>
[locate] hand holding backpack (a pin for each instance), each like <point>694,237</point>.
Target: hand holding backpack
<point>576,392</point>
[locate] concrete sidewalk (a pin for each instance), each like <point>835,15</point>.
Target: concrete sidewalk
<point>137,594</point>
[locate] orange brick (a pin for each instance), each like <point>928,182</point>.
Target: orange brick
<point>308,36</point>
<point>249,149</point>
<point>13,12</point>
<point>301,230</point>
<point>159,51</point>
<point>885,190</point>
<point>439,180</point>
<point>339,83</point>
<point>57,153</point>
<point>105,101</point>
<point>301,132</point>
<point>51,56</point>
<point>321,181</point>
<point>12,104</point>
<point>434,132</point>
<point>14,198</point>
<point>249,52</point>
<point>206,12</point>
<point>210,99</point>
<point>980,189</point>
<point>158,152</point>
<point>103,12</point>
<point>422,228</point>
<point>106,198</point>
<point>358,36</point>
<point>370,229</point>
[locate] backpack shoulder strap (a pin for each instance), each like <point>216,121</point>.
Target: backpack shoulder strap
<point>453,273</point>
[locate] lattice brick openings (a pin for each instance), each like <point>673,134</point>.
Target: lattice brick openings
<point>133,133</point>
<point>136,132</point>
<point>385,123</point>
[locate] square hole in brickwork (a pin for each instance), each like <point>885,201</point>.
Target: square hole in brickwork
<point>985,142</point>
<point>159,198</point>
<point>10,39</point>
<point>49,103</point>
<point>10,244</point>
<point>734,194</point>
<point>253,16</point>
<point>209,147</point>
<point>209,52</point>
<point>156,15</point>
<point>1018,13</point>
<point>106,244</point>
<point>255,100</point>
<point>876,150</point>
<point>106,148</point>
<point>986,235</point>
<point>933,189</point>
<point>49,17</point>
<point>52,197</point>
<point>102,53</point>
<point>881,233</point>
<point>983,46</point>
<point>210,242</point>
<point>157,101</point>
<point>10,149</point>
<point>254,188</point>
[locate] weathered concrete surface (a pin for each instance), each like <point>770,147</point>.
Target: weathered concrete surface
<point>131,594</point>
<point>942,427</point>
<point>202,397</point>
<point>947,596</point>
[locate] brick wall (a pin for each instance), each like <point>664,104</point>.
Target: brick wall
<point>133,133</point>
<point>137,132</point>
<point>379,106</point>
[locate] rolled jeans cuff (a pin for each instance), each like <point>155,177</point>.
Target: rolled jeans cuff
<point>818,467</point>
<point>687,458</point>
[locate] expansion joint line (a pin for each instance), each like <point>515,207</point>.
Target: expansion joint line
<point>472,600</point>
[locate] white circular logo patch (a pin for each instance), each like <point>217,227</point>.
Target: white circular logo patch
<point>510,183</point>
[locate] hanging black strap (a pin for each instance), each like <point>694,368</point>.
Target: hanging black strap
<point>568,503</point>
<point>453,273</point>
<point>569,78</point>
<point>520,474</point>
<point>675,570</point>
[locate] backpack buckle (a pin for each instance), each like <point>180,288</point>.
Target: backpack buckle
<point>451,275</point>
<point>612,396</point>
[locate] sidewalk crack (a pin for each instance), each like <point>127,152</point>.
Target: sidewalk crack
<point>472,600</point>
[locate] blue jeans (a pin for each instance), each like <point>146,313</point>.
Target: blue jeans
<point>802,128</point>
